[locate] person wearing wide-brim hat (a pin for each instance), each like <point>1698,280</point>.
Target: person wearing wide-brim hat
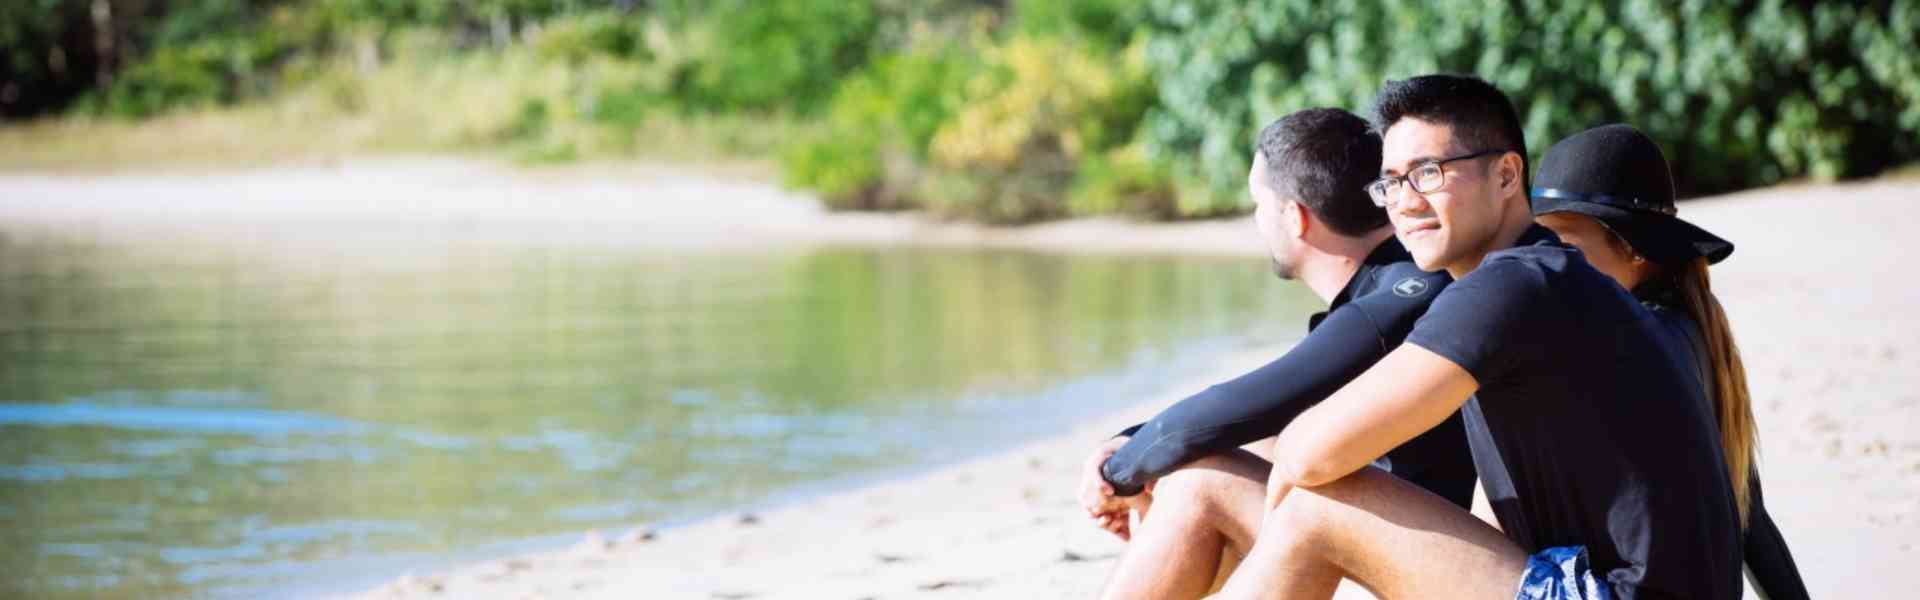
<point>1617,176</point>
<point>1608,191</point>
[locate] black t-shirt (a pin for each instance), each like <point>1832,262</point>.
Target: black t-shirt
<point>1367,319</point>
<point>1588,428</point>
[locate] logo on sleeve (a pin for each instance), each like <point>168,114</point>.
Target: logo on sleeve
<point>1411,287</point>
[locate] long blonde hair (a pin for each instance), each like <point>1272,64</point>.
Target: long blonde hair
<point>1732,406</point>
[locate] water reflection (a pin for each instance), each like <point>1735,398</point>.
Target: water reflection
<point>184,418</point>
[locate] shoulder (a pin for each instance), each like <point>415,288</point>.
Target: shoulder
<point>1400,287</point>
<point>1519,285</point>
<point>1405,280</point>
<point>1397,295</point>
<point>1541,264</point>
<point>1512,270</point>
<point>1678,326</point>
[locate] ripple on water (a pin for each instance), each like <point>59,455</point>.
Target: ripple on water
<point>241,421</point>
<point>40,472</point>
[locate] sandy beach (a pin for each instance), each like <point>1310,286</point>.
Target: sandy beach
<point>1817,293</point>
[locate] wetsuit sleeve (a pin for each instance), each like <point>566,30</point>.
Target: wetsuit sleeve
<point>1769,563</point>
<point>1252,406</point>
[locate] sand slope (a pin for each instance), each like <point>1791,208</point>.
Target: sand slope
<point>1821,296</point>
<point>1821,293</point>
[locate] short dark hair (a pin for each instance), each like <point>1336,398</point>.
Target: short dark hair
<point>1323,158</point>
<point>1480,115</point>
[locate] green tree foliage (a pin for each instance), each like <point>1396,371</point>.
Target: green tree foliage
<point>777,55</point>
<point>51,51</point>
<point>885,114</point>
<point>141,57</point>
<point>209,53</point>
<point>594,35</point>
<point>1739,93</point>
<point>1108,24</point>
<point>994,124</point>
<point>1013,110</point>
<point>1037,110</point>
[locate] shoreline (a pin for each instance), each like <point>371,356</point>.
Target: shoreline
<point>645,206</point>
<point>1837,397</point>
<point>715,556</point>
<point>1817,291</point>
<point>492,562</point>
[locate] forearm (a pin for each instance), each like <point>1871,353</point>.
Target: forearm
<point>1212,421</point>
<point>1409,392</point>
<point>1249,407</point>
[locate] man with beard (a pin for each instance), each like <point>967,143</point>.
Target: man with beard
<point>1589,431</point>
<point>1184,466</point>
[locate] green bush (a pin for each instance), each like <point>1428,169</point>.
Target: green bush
<point>1107,24</point>
<point>845,170</point>
<point>626,106</point>
<point>1039,107</point>
<point>177,77</point>
<point>600,34</point>
<point>476,17</point>
<point>1123,181</point>
<point>1008,110</point>
<point>886,114</point>
<point>995,134</point>
<point>1739,93</point>
<point>766,56</point>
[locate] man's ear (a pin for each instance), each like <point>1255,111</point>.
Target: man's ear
<point>1511,170</point>
<point>1298,219</point>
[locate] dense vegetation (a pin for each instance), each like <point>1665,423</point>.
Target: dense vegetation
<point>998,110</point>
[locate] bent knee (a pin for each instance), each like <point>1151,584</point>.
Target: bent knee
<point>1308,512</point>
<point>1304,512</point>
<point>1206,482</point>
<point>1215,472</point>
<point>1191,482</point>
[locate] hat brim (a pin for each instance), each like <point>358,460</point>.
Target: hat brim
<point>1662,238</point>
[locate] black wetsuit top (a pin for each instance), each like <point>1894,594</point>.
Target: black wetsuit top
<point>1769,563</point>
<point>1589,427</point>
<point>1367,319</point>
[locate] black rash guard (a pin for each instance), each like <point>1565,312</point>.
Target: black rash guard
<point>1768,562</point>
<point>1367,319</point>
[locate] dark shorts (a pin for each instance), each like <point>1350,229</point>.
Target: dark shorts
<point>1561,574</point>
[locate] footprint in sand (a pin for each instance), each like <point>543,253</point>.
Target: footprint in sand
<point>1069,556</point>
<point>942,584</point>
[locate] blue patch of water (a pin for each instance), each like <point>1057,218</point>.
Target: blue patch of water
<point>175,419</point>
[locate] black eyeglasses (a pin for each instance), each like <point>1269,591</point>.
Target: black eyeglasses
<point>1425,178</point>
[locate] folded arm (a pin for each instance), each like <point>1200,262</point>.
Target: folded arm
<point>1250,407</point>
<point>1406,393</point>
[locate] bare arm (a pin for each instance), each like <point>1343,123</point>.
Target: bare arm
<point>1408,392</point>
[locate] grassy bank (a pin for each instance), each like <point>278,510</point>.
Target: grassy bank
<point>513,105</point>
<point>270,135</point>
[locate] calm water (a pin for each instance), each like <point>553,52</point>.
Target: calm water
<point>187,418</point>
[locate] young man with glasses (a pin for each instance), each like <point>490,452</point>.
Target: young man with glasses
<point>1185,465</point>
<point>1598,460</point>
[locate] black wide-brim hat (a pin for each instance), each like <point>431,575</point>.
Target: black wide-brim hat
<point>1618,176</point>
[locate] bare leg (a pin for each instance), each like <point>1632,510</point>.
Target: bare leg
<point>1207,510</point>
<point>1390,536</point>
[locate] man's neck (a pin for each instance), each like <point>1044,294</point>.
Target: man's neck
<point>1327,271</point>
<point>1513,224</point>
